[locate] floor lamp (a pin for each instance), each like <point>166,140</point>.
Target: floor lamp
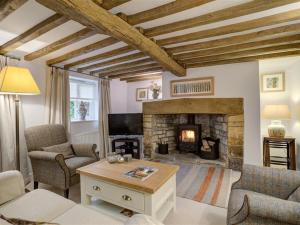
<point>17,81</point>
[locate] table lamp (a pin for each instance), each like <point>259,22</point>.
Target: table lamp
<point>276,113</point>
<point>17,81</point>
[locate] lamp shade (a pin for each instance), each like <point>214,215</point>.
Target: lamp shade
<point>18,81</point>
<point>276,112</point>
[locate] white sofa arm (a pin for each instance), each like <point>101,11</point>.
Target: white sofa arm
<point>141,219</point>
<point>11,185</point>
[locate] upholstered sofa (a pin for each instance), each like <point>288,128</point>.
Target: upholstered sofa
<point>265,195</point>
<point>54,168</point>
<point>45,206</point>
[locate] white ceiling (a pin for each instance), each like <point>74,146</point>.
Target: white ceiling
<point>31,13</point>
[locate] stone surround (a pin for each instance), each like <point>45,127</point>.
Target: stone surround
<point>228,126</point>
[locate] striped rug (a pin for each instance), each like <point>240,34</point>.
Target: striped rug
<point>205,183</point>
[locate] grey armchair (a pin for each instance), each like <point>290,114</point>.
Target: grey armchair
<point>265,195</point>
<point>50,167</point>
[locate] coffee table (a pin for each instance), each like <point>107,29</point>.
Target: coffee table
<point>155,196</point>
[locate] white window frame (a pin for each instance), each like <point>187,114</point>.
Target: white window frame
<point>74,79</point>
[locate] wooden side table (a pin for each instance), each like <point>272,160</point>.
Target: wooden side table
<point>288,144</point>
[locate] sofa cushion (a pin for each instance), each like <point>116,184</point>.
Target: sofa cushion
<point>295,196</point>
<point>3,222</point>
<point>64,149</point>
<point>77,162</point>
<point>37,205</point>
<point>79,215</point>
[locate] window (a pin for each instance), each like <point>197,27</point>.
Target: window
<point>83,99</point>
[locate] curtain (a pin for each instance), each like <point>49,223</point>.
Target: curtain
<point>58,97</point>
<point>8,135</point>
<point>104,110</point>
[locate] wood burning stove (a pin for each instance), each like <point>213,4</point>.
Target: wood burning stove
<point>189,136</point>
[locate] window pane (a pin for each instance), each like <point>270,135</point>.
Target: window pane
<point>73,90</point>
<point>86,91</point>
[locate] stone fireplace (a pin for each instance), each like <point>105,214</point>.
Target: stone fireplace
<point>218,118</point>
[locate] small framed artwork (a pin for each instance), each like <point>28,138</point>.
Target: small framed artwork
<point>203,86</point>
<point>141,94</point>
<point>273,82</point>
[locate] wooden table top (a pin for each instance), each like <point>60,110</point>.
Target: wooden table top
<point>114,173</point>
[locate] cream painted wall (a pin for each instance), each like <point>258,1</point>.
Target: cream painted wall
<point>118,95</point>
<point>234,80</point>
<point>134,106</point>
<point>291,95</point>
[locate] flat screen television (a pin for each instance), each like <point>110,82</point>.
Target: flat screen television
<point>125,124</point>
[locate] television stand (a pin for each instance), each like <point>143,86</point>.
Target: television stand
<point>127,146</point>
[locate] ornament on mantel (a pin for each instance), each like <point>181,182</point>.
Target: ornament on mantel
<point>155,88</point>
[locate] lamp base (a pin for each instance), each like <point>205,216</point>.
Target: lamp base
<point>276,129</point>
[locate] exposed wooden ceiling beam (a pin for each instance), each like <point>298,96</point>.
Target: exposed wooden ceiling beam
<point>9,6</point>
<point>246,53</point>
<point>73,38</point>
<point>220,15</point>
<point>113,61</point>
<point>142,78</point>
<point>164,10</point>
<point>132,69</point>
<point>34,32</point>
<point>233,28</point>
<point>81,51</point>
<point>228,13</point>
<point>109,4</point>
<point>246,59</point>
<point>244,38</point>
<point>101,56</point>
<point>139,72</point>
<point>239,47</point>
<point>91,14</point>
<point>121,67</point>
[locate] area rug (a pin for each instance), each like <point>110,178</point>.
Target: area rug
<point>203,183</point>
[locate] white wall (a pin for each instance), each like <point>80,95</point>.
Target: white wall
<point>291,95</point>
<point>134,106</point>
<point>233,81</point>
<point>118,95</point>
<point>123,95</point>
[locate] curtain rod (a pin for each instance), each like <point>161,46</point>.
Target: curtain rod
<point>74,71</point>
<point>11,57</point>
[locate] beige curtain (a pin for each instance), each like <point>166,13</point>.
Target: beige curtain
<point>7,133</point>
<point>58,97</point>
<point>104,110</point>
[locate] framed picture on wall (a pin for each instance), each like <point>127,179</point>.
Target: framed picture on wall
<point>193,87</point>
<point>141,94</point>
<point>274,82</point>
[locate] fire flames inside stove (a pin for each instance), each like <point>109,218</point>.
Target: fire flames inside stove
<point>188,136</point>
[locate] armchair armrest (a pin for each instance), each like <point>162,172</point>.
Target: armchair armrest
<point>50,168</point>
<point>87,150</point>
<point>268,207</point>
<point>11,185</point>
<point>275,182</point>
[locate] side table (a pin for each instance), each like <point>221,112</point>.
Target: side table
<point>286,143</point>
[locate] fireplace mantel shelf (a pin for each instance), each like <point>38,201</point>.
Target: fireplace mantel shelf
<point>226,106</point>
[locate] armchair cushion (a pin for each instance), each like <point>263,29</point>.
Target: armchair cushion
<point>248,204</point>
<point>64,149</point>
<point>77,162</point>
<point>87,150</point>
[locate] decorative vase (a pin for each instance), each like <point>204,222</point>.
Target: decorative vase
<point>276,129</point>
<point>82,110</point>
<point>155,94</point>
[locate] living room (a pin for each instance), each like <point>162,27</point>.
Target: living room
<point>140,112</point>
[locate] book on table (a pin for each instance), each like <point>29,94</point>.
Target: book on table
<point>141,173</point>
